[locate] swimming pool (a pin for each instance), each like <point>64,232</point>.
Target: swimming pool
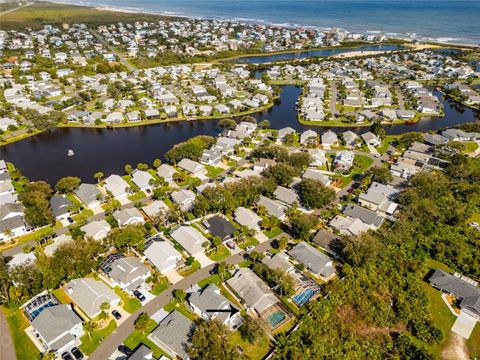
<point>303,297</point>
<point>276,318</point>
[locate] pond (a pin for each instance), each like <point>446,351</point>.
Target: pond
<point>44,156</point>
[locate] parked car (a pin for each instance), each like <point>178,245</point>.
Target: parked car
<point>474,224</point>
<point>116,314</point>
<point>230,245</point>
<point>66,356</point>
<point>77,353</point>
<point>249,248</point>
<point>124,349</point>
<point>139,295</point>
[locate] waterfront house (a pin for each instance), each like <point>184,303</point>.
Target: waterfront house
<point>152,114</point>
<point>350,139</point>
<point>143,179</point>
<point>284,132</point>
<point>192,167</point>
<point>371,139</point>
<point>89,195</point>
<point>166,172</point>
<point>309,137</point>
<point>316,262</point>
<point>117,186</point>
<point>248,218</point>
<point>329,138</point>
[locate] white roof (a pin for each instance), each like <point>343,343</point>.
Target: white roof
<point>162,255</point>
<point>116,185</point>
<point>190,238</point>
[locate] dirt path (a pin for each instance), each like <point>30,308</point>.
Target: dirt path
<point>456,348</point>
<point>7,350</point>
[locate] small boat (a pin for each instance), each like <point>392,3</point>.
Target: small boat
<point>70,152</point>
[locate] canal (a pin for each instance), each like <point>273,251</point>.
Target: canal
<point>44,156</point>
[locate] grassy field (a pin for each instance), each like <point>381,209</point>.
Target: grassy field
<point>49,13</point>
<point>191,269</point>
<point>92,341</point>
<point>221,253</point>
<point>17,323</point>
<point>470,146</point>
<point>129,303</point>
<point>251,351</point>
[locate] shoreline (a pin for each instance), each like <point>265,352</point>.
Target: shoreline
<point>398,36</point>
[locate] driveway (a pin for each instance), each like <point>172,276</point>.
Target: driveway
<point>173,276</point>
<point>203,259</point>
<point>108,346</point>
<point>464,325</point>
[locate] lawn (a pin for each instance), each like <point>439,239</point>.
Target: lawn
<point>360,165</point>
<point>473,342</point>
<point>191,269</point>
<point>160,286</point>
<point>470,146</point>
<point>92,341</point>
<point>137,337</point>
<point>273,232</point>
<point>221,253</point>
<point>213,171</point>
<point>250,241</point>
<point>386,142</point>
<point>82,217</point>
<point>62,296</point>
<point>212,279</point>
<point>139,195</point>
<point>17,322</point>
<point>33,236</point>
<point>251,351</point>
<point>181,308</point>
<point>129,303</point>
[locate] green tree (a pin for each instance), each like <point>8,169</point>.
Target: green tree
<point>313,194</point>
<point>98,176</point>
<point>379,174</point>
<point>128,169</point>
<point>129,236</point>
<point>211,341</point>
<point>264,124</point>
<point>227,124</point>
<point>157,163</point>
<point>302,224</point>
<point>180,295</point>
<point>251,330</point>
<point>142,322</point>
<point>67,184</point>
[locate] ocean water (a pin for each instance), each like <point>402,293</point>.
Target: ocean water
<point>456,21</point>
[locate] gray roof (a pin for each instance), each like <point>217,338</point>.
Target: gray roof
<point>273,207</point>
<point>252,290</point>
<point>468,293</point>
<point>316,175</point>
<point>88,193</point>
<point>247,217</point>
<point>12,223</point>
<point>127,269</point>
<point>59,205</point>
<point>89,294</point>
<point>142,352</point>
<point>123,216</point>
<point>174,331</point>
<point>288,196</point>
<point>367,216</point>
<point>190,238</point>
<point>210,298</point>
<point>279,261</point>
<point>54,321</point>
<point>166,171</point>
<point>162,255</point>
<point>190,166</point>
<point>313,259</point>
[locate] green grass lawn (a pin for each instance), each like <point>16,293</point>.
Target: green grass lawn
<point>92,341</point>
<point>212,279</point>
<point>273,232</point>
<point>137,337</point>
<point>473,342</point>
<point>191,269</point>
<point>255,351</point>
<point>221,253</point>
<point>62,296</point>
<point>360,165</point>
<point>470,146</point>
<point>213,171</point>
<point>250,241</point>
<point>82,217</point>
<point>17,323</point>
<point>160,286</point>
<point>34,236</point>
<point>181,308</point>
<point>139,195</point>
<point>129,303</point>
<point>386,142</point>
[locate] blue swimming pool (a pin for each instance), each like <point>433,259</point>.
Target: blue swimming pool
<point>303,297</point>
<point>276,318</point>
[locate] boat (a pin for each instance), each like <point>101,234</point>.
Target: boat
<point>70,152</point>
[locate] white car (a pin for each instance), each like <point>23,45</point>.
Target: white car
<point>249,248</point>
<point>474,224</point>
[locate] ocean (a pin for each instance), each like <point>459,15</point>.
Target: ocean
<point>454,21</point>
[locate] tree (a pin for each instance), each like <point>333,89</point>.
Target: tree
<point>264,124</point>
<point>216,242</point>
<point>313,194</point>
<point>379,174</point>
<point>227,124</point>
<point>281,173</point>
<point>142,166</point>
<point>301,224</point>
<point>251,330</point>
<point>211,341</point>
<point>407,139</point>
<point>128,169</point>
<point>129,236</point>
<point>157,163</point>
<point>35,197</point>
<point>67,184</point>
<point>223,270</point>
<point>89,327</point>
<point>180,295</point>
<point>142,322</point>
<point>378,129</point>
<point>98,176</point>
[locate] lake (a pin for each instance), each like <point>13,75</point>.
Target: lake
<point>44,156</point>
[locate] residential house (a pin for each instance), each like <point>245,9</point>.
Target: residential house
<point>117,186</point>
<point>221,227</point>
<point>161,254</point>
<point>127,272</point>
<point>317,263</point>
<point>248,218</point>
<point>287,196</point>
<point>369,217</point>
<point>343,161</point>
<point>89,294</point>
<point>89,195</point>
<point>192,167</point>
<point>143,179</point>
<point>166,172</point>
<point>371,139</point>
<point>97,230</point>
<point>274,208</point>
<point>185,199</point>
<point>60,207</point>
<point>189,238</point>
<point>379,198</point>
<point>317,175</point>
<point>155,208</point>
<point>128,216</point>
<point>329,138</point>
<point>348,226</point>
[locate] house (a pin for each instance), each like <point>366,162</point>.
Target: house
<point>185,199</point>
<point>21,258</point>
<point>166,172</point>
<point>317,263</point>
<point>89,294</point>
<point>263,164</point>
<point>343,161</point>
<point>284,132</point>
<point>371,139</point>
<point>60,207</point>
<point>161,254</point>
<point>143,352</point>
<point>367,216</point>
<point>221,227</point>
<point>317,175</point>
<point>211,156</point>
<point>273,207</point>
<point>209,298</point>
<point>465,290</point>
<point>155,208</point>
<point>89,195</point>
<point>348,226</point>
<point>133,116</point>
<point>256,295</point>
<point>286,196</point>
<point>308,137</point>
<point>350,139</point>
<point>129,216</point>
<point>189,238</point>
<point>117,186</point>
<point>97,230</point>
<point>58,328</point>
<point>379,198</point>
<point>114,117</point>
<point>59,241</point>
<point>6,122</point>
<point>143,179</point>
<point>405,114</point>
<point>248,218</point>
<point>152,114</point>
<point>192,167</point>
<point>173,335</point>
<point>12,222</point>
<point>128,272</point>
<point>329,138</point>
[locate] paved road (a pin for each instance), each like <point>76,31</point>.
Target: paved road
<point>110,344</point>
<point>7,349</point>
<point>333,99</point>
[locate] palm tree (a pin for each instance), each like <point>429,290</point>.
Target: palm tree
<point>89,327</point>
